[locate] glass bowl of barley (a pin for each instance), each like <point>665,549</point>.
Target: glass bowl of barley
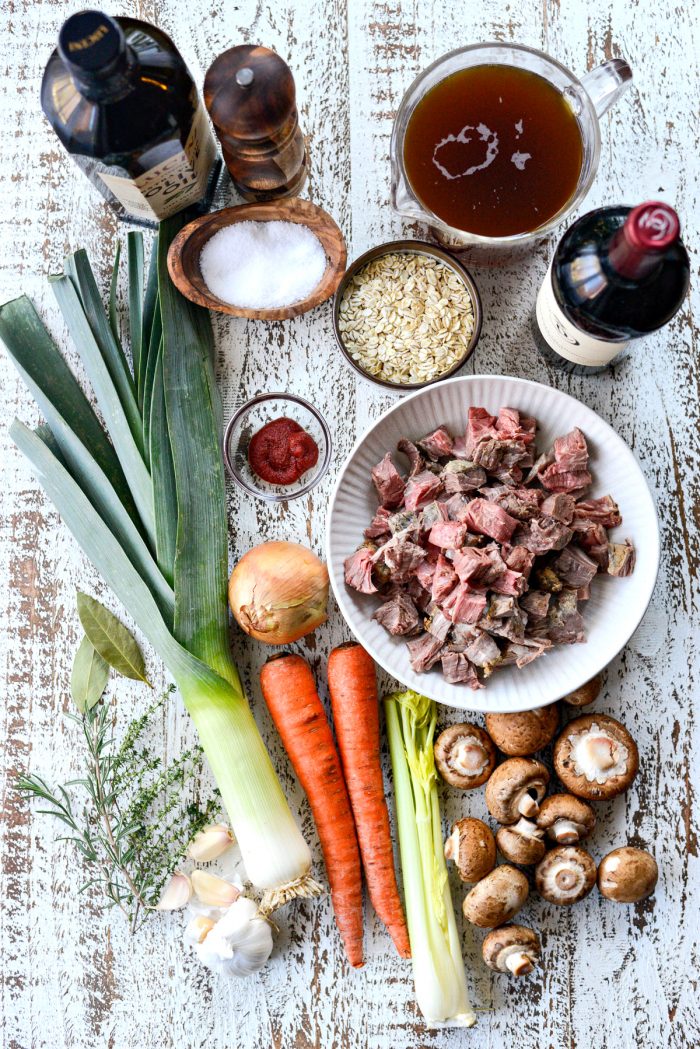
<point>407,314</point>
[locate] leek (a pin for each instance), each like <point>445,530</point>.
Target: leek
<point>168,567</point>
<point>438,968</point>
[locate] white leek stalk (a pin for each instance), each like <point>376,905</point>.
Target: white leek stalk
<point>438,968</point>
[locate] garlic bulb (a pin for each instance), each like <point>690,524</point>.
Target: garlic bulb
<point>239,943</point>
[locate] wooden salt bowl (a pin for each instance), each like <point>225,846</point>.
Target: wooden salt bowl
<point>185,250</point>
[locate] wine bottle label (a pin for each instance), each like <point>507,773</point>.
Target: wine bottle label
<point>173,184</point>
<point>565,338</point>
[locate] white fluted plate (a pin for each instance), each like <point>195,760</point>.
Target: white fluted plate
<point>616,606</point>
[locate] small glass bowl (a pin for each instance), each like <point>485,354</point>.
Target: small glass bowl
<point>250,418</point>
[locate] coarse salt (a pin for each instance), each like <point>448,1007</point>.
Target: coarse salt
<point>262,265</point>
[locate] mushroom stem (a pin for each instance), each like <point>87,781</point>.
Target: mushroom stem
<point>566,832</point>
<point>602,753</point>
<point>452,845</point>
<point>527,806</point>
<point>519,963</point>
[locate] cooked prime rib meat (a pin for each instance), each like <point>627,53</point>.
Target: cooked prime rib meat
<point>482,553</point>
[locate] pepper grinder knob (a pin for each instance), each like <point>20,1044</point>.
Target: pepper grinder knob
<point>251,97</point>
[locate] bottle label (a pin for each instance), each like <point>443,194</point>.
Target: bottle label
<point>567,340</point>
<point>172,185</point>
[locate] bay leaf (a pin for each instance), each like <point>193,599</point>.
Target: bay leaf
<point>89,676</point>
<point>110,638</point>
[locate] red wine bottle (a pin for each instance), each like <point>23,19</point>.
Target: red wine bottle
<point>123,103</point>
<point>617,274</point>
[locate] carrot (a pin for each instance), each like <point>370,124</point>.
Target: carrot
<point>290,693</point>
<point>355,703</point>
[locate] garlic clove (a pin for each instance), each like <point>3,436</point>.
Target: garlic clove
<point>176,894</point>
<point>210,843</point>
<point>198,928</point>
<point>213,891</point>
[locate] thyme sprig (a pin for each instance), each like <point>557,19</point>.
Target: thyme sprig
<point>135,822</point>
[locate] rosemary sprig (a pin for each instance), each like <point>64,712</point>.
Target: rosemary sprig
<point>134,824</point>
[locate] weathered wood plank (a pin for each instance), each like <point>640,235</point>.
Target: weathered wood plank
<point>617,977</point>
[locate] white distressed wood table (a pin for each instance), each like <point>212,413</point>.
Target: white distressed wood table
<point>613,976</point>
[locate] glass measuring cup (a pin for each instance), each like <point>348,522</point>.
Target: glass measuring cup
<point>589,98</point>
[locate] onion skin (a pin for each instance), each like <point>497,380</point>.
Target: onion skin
<point>278,592</point>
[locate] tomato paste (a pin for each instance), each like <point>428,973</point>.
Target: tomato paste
<point>282,451</point>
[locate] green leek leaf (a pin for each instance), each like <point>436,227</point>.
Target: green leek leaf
<point>110,638</point>
<point>113,313</point>
<point>89,676</point>
<point>150,308</point>
<point>163,475</point>
<point>117,423</point>
<point>134,242</point>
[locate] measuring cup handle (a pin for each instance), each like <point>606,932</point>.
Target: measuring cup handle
<point>606,83</point>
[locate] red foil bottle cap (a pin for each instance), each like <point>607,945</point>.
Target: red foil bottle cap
<point>652,226</point>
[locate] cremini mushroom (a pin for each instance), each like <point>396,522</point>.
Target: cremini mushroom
<point>496,898</point>
<point>565,875</point>
<point>511,949</point>
<point>627,875</point>
<point>522,842</point>
<point>473,848</point>
<point>595,757</point>
<point>525,732</point>
<point>465,755</point>
<point>516,789</point>
<point>586,693</point>
<point>565,818</point>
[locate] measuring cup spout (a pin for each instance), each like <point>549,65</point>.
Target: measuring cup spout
<point>606,83</point>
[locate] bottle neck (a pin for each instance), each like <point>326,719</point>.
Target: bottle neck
<point>95,53</point>
<point>647,234</point>
<point>107,85</point>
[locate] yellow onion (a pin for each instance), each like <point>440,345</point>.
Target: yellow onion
<point>278,592</point>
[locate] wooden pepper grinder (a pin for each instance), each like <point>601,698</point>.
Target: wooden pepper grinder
<point>250,94</point>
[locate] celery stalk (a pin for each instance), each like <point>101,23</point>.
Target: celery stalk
<point>438,968</point>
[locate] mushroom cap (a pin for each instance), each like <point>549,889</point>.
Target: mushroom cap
<point>566,818</point>
<point>473,848</point>
<point>515,789</point>
<point>525,732</point>
<point>627,875</point>
<point>595,757</point>
<point>497,897</point>
<point>522,842</point>
<point>465,755</point>
<point>565,875</point>
<point>586,693</point>
<point>513,949</point>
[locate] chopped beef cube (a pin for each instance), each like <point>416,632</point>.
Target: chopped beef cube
<point>415,459</point>
<point>483,651</point>
<point>519,558</point>
<point>540,464</point>
<point>460,475</point>
<point>500,606</point>
<point>464,604</point>
<point>444,579</point>
<point>438,444</point>
<point>543,535</point>
<point>457,670</point>
<point>459,448</point>
<point>379,525</point>
<point>536,604</point>
<point>564,621</point>
<point>522,503</point>
<point>512,628</point>
<point>454,505</point>
<point>399,616</point>
<point>489,519</point>
<point>449,535</point>
<point>510,475</point>
<point>509,582</point>
<point>389,483</point>
<point>462,635</point>
<point>424,652</point>
<point>495,453</point>
<point>480,426</point>
<point>604,511</point>
<point>559,506</point>
<point>569,471</point>
<point>472,565</point>
<point>571,450</point>
<point>401,556</point>
<point>521,427</point>
<point>425,572</point>
<point>556,479</point>
<point>574,567</point>
<point>421,488</point>
<point>523,652</point>
<point>358,570</point>
<point>419,594</point>
<point>438,624</point>
<point>430,515</point>
<point>621,558</point>
<point>592,537</point>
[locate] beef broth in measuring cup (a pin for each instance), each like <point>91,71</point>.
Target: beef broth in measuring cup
<point>493,150</point>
